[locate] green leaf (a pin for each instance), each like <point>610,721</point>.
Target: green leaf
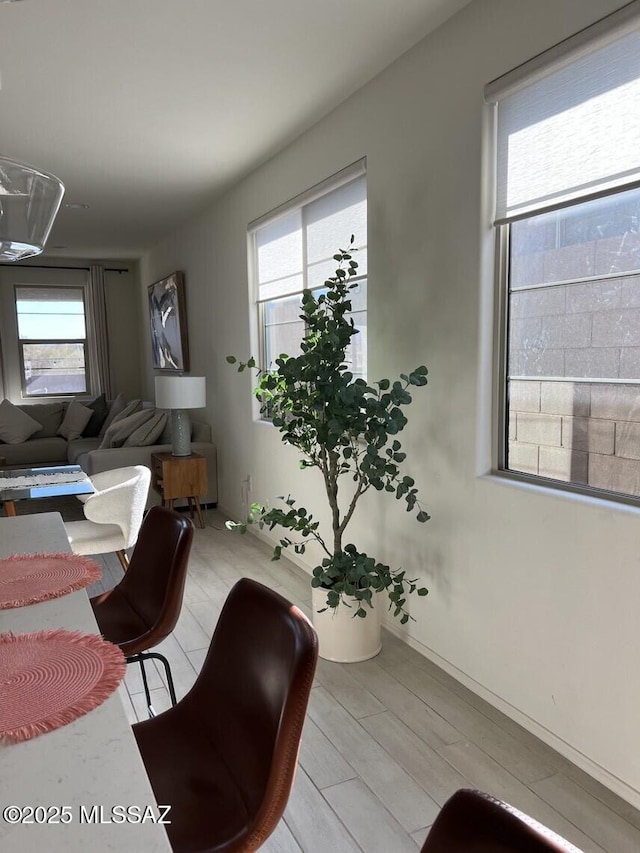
<point>231,359</point>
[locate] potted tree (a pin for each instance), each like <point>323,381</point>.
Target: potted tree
<point>347,429</point>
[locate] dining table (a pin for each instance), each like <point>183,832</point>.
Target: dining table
<point>82,786</point>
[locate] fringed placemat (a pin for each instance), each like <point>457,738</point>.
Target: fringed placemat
<point>50,678</point>
<point>30,578</point>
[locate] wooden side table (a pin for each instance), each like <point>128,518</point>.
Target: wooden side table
<point>180,477</point>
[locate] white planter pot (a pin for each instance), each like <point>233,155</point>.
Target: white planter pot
<point>342,637</point>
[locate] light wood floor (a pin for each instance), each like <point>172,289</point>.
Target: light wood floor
<point>387,741</point>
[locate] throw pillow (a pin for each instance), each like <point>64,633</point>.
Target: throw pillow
<point>119,431</point>
<point>50,415</point>
<point>16,426</point>
<point>75,420</point>
<point>149,432</point>
<point>131,408</point>
<point>100,410</point>
<point>114,409</point>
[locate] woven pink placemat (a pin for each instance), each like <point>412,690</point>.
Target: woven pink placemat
<point>30,578</point>
<point>50,678</point>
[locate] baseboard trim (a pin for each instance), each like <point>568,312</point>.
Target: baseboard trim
<point>605,777</point>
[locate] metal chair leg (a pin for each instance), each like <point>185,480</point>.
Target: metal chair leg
<point>141,657</point>
<point>140,660</point>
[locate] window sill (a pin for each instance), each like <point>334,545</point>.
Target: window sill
<point>565,492</point>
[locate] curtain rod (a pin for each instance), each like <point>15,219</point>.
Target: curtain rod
<point>55,267</point>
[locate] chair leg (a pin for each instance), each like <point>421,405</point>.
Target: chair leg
<point>167,672</point>
<point>199,508</point>
<point>141,657</point>
<point>147,695</point>
<point>124,560</point>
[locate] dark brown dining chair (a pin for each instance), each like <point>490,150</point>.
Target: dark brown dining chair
<point>225,756</point>
<point>142,610</point>
<point>475,822</point>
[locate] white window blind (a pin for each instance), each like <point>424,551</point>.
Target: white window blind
<point>570,130</point>
<point>279,257</point>
<point>50,313</point>
<point>294,247</point>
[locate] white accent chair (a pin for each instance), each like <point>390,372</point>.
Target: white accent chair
<point>113,513</point>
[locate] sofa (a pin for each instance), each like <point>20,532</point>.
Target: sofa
<point>121,439</point>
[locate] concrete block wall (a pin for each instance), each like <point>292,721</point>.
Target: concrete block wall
<point>562,329</point>
<point>536,257</point>
<point>587,330</point>
<point>586,433</point>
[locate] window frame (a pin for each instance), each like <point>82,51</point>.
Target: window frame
<point>601,34</point>
<point>83,288</point>
<point>300,203</point>
<point>261,310</point>
<point>502,377</point>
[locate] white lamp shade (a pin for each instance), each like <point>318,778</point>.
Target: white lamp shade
<point>29,202</point>
<point>180,392</point>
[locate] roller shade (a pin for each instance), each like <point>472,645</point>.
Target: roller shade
<point>571,130</point>
<point>50,313</point>
<point>294,246</point>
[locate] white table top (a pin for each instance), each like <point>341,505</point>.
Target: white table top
<point>93,761</point>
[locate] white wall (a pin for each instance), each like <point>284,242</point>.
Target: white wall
<point>533,595</point>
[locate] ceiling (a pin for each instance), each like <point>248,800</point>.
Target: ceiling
<point>146,109</point>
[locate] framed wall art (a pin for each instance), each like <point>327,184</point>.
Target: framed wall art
<point>168,317</point>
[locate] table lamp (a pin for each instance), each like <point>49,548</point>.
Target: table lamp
<point>178,393</point>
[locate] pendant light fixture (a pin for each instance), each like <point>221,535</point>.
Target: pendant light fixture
<point>29,202</point>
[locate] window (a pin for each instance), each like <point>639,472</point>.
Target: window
<point>292,250</point>
<point>52,340</point>
<point>568,224</point>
